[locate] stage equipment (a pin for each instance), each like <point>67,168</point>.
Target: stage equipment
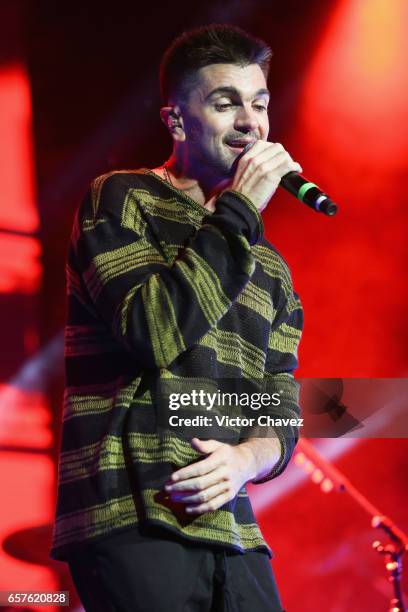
<point>329,478</point>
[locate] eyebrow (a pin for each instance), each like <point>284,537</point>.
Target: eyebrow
<point>232,91</point>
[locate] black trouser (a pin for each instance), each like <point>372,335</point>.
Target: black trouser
<point>149,570</point>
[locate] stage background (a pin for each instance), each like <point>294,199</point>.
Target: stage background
<point>79,97</point>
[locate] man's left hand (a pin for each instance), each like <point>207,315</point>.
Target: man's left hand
<point>208,484</point>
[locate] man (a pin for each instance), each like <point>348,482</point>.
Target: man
<point>169,278</point>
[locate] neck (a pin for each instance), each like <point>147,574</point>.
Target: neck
<point>201,185</point>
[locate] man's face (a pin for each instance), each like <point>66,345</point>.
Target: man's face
<point>226,110</point>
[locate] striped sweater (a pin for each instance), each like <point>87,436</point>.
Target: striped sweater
<point>158,289</point>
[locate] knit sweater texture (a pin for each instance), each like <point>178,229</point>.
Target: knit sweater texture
<point>159,289</point>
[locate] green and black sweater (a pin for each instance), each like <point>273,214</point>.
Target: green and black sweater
<point>159,288</point>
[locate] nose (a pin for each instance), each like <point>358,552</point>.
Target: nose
<point>246,119</point>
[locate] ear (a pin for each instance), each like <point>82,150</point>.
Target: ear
<point>172,119</point>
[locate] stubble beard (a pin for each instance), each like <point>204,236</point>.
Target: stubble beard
<point>219,163</point>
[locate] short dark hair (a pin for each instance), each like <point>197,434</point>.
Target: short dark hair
<point>211,44</point>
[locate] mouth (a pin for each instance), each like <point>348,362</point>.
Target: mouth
<point>239,145</point>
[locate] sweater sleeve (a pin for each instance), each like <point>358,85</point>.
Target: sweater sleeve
<point>156,310</point>
<point>281,362</point>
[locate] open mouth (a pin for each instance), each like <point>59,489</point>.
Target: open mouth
<point>239,145</point>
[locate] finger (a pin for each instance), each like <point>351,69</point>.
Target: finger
<point>202,496</point>
<point>260,161</point>
<point>287,165</point>
<point>211,505</point>
<point>206,446</point>
<point>200,468</point>
<point>245,158</point>
<point>274,147</point>
<point>199,483</point>
<point>246,154</point>
<point>270,158</point>
<point>261,148</point>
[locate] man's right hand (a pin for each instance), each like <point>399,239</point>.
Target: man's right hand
<point>260,170</point>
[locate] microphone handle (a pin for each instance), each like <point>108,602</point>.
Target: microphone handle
<point>308,193</point>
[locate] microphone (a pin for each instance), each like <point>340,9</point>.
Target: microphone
<point>308,193</point>
<point>303,189</point>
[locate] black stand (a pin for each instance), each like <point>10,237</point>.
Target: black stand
<point>324,473</point>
